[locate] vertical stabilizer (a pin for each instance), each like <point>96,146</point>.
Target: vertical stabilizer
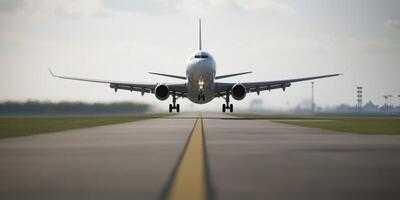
<point>200,34</point>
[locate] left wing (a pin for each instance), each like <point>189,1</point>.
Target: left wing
<point>169,75</point>
<point>222,88</point>
<point>230,75</point>
<point>178,89</point>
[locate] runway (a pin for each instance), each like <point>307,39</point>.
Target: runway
<point>226,157</point>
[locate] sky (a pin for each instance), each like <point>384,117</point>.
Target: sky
<point>124,40</point>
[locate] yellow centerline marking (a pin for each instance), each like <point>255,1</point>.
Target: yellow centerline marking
<point>190,181</point>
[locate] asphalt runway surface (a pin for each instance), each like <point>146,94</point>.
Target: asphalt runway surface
<point>243,159</point>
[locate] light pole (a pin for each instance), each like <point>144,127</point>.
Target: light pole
<point>399,102</point>
<point>386,102</point>
<point>390,103</point>
<point>312,97</point>
<point>359,98</point>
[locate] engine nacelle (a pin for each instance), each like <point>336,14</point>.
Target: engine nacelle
<point>238,91</point>
<point>162,92</point>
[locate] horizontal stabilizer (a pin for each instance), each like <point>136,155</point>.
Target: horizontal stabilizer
<point>230,75</point>
<point>169,75</point>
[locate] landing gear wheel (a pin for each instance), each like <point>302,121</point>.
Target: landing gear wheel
<point>201,97</point>
<point>227,106</point>
<point>174,105</point>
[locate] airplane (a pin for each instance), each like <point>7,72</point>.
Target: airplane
<point>200,84</point>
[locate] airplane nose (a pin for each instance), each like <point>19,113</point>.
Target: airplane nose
<point>201,72</point>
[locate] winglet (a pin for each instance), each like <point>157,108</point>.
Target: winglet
<point>51,72</point>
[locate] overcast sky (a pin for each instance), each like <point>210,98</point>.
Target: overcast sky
<point>123,40</point>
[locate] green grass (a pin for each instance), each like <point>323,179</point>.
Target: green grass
<point>273,117</point>
<point>22,126</point>
<point>354,124</point>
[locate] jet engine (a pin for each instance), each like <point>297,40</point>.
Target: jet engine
<point>238,91</point>
<point>162,92</point>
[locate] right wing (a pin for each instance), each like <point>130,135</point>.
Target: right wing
<point>178,89</point>
<point>222,88</point>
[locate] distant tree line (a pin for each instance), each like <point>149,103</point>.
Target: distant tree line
<point>369,107</point>
<point>305,108</point>
<point>51,108</point>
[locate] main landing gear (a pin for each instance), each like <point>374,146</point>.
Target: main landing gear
<point>174,105</point>
<point>227,106</point>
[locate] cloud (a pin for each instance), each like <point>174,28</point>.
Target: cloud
<point>393,24</point>
<point>270,5</point>
<point>198,6</point>
<point>82,9</point>
<point>69,9</point>
<point>69,14</point>
<point>11,5</point>
<point>143,6</point>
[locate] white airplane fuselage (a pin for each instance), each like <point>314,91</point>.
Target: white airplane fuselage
<point>200,73</point>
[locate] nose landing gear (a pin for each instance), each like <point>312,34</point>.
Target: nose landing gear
<point>174,105</point>
<point>201,97</point>
<point>227,106</point>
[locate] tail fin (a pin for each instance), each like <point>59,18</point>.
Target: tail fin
<point>200,34</point>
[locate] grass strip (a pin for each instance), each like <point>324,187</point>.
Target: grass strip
<point>357,124</point>
<point>22,126</point>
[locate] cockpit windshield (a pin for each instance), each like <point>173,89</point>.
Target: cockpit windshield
<point>201,56</point>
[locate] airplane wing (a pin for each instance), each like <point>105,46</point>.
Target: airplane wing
<point>169,75</point>
<point>230,75</point>
<point>179,89</point>
<point>222,88</point>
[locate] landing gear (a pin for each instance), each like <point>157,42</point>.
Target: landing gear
<point>174,105</point>
<point>227,106</point>
<point>201,97</point>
